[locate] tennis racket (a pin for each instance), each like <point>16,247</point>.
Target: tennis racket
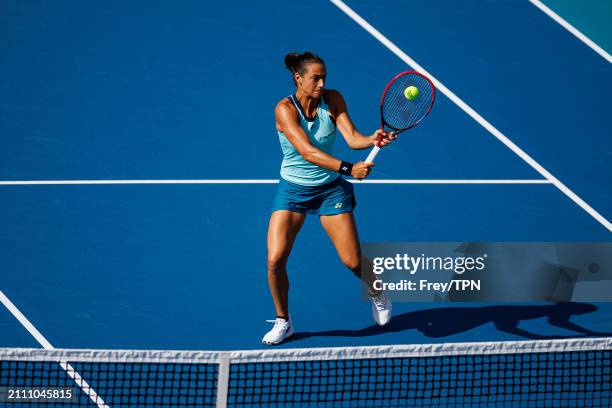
<point>401,107</point>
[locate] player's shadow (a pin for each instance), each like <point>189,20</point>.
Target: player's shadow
<point>447,321</point>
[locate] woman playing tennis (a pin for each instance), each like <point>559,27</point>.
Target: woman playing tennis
<point>311,182</point>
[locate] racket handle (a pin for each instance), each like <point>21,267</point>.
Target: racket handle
<point>372,154</point>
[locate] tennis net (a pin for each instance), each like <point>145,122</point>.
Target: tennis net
<point>543,373</point>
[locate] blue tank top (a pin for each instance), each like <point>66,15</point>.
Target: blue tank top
<point>321,132</point>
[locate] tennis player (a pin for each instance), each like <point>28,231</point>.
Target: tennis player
<point>311,182</point>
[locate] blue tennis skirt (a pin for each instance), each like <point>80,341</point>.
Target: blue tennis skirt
<point>335,197</point>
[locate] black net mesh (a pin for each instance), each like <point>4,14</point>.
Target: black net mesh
<point>116,384</point>
<point>572,377</point>
<point>530,380</point>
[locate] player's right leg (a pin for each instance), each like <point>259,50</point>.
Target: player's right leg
<point>282,230</point>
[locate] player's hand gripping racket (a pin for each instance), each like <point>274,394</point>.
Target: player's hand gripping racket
<point>406,101</point>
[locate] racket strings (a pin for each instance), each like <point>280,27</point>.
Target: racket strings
<point>400,112</point>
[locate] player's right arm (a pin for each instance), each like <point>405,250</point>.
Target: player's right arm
<point>287,121</point>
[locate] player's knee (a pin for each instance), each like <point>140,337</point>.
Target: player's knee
<point>276,263</point>
<point>352,262</point>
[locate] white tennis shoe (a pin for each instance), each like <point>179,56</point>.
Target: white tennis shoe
<point>283,329</point>
<point>381,309</point>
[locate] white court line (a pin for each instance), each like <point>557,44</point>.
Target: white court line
<point>91,182</point>
<point>265,181</point>
<point>475,115</point>
<point>562,22</point>
<point>449,181</point>
<point>91,393</point>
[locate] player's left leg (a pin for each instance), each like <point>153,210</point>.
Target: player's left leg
<point>342,230</point>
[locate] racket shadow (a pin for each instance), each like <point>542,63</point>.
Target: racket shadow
<point>448,321</point>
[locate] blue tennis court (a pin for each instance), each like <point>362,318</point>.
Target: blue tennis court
<point>139,162</point>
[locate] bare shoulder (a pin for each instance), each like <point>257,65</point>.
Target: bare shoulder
<point>285,113</point>
<point>332,96</point>
<point>284,107</point>
<point>335,100</point>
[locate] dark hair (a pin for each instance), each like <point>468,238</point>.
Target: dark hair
<point>297,62</point>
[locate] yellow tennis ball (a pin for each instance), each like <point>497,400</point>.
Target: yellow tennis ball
<point>411,92</point>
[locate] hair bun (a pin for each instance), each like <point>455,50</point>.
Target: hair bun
<point>296,63</point>
<point>291,61</point>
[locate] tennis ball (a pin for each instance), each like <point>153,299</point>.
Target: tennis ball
<point>411,92</point>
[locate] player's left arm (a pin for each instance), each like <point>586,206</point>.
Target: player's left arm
<point>345,125</point>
